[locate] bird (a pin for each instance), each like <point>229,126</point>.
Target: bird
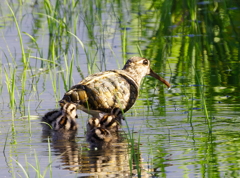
<point>112,121</point>
<point>102,132</point>
<point>61,120</point>
<point>99,93</point>
<point>100,138</point>
<point>93,122</point>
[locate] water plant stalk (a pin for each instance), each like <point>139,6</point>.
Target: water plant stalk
<point>24,58</point>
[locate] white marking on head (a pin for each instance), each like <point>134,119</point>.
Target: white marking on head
<point>94,122</point>
<point>70,110</point>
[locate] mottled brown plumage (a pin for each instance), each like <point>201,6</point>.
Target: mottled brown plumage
<point>101,92</point>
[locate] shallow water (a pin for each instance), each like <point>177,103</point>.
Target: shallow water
<point>191,130</point>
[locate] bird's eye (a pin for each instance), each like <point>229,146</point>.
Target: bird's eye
<point>145,62</point>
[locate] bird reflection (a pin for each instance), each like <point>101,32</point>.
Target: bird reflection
<point>106,162</point>
<point>107,154</point>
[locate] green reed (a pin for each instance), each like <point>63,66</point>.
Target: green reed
<point>60,27</point>
<point>10,74</point>
<point>24,58</point>
<point>90,55</point>
<point>69,69</point>
<point>134,150</point>
<point>124,43</point>
<point>49,158</point>
<point>54,76</point>
<point>203,99</point>
<point>190,108</point>
<point>1,78</point>
<point>23,74</point>
<point>37,168</point>
<point>22,168</point>
<point>34,40</point>
<point>55,26</point>
<point>23,87</point>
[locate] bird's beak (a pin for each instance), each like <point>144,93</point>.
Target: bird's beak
<point>156,76</point>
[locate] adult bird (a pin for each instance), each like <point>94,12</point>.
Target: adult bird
<point>99,93</point>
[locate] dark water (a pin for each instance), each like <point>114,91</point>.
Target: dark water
<point>191,130</point>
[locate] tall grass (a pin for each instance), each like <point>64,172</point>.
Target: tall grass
<point>1,77</point>
<point>24,57</point>
<point>67,75</point>
<point>23,74</point>
<point>134,151</point>
<point>10,74</point>
<point>201,84</point>
<point>37,168</point>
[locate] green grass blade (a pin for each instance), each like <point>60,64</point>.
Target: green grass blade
<point>24,59</point>
<point>24,171</point>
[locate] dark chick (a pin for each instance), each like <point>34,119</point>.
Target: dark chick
<point>63,119</point>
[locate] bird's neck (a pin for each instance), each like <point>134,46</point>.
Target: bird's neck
<point>136,75</point>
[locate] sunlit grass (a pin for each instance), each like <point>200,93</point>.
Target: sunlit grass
<point>24,57</point>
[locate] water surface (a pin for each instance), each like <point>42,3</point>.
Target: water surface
<point>191,130</point>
